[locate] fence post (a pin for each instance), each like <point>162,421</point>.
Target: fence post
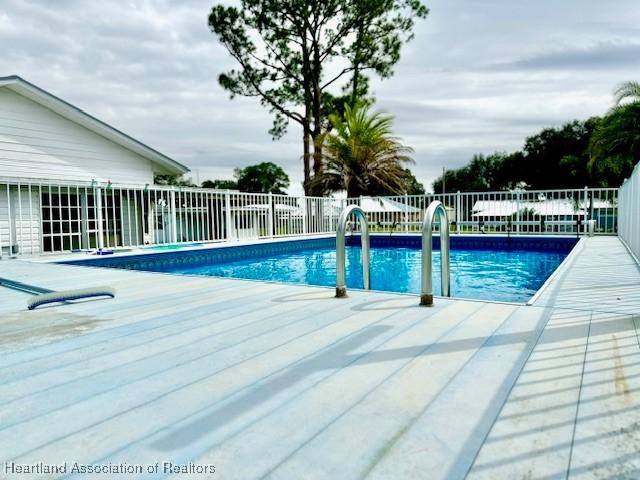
<point>11,221</point>
<point>84,205</point>
<point>270,219</point>
<point>173,216</point>
<point>8,225</point>
<point>227,216</point>
<point>406,213</point>
<point>330,214</point>
<point>517,211</point>
<point>98,198</point>
<point>305,220</point>
<point>584,216</point>
<point>458,211</point>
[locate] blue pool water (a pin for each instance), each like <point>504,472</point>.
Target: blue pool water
<point>512,276</point>
<point>488,269</point>
<point>173,246</point>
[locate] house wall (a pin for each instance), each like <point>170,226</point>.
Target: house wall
<point>131,215</point>
<point>5,222</point>
<point>37,143</point>
<point>27,222</point>
<point>20,232</point>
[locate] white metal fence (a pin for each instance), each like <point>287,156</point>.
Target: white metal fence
<point>40,218</point>
<point>629,211</point>
<point>513,212</point>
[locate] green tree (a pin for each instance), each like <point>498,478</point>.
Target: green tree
<point>265,177</point>
<point>220,184</point>
<point>559,157</point>
<point>361,156</point>
<point>172,179</point>
<point>482,173</point>
<point>411,184</point>
<point>553,158</point>
<point>294,54</point>
<point>595,152</point>
<point>615,145</point>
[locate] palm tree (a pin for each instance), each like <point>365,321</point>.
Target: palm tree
<point>614,146</point>
<point>361,156</point>
<point>627,91</point>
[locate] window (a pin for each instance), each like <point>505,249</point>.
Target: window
<point>61,220</point>
<point>69,219</point>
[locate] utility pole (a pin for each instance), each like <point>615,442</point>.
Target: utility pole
<point>444,179</point>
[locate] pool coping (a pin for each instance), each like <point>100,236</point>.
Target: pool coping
<point>289,284</point>
<point>135,251</point>
<point>138,251</point>
<point>577,248</point>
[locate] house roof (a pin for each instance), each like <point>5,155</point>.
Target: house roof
<point>283,209</point>
<point>546,207</point>
<point>385,205</point>
<point>76,115</point>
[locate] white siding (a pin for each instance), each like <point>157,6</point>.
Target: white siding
<point>6,235</point>
<point>27,224</point>
<point>21,231</point>
<point>37,143</point>
<point>132,228</point>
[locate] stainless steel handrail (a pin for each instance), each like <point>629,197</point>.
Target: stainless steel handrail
<point>341,288</point>
<point>426,295</point>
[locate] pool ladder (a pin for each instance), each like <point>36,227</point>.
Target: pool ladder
<point>341,288</point>
<point>426,295</point>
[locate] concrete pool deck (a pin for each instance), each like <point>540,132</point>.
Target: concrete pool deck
<point>282,381</point>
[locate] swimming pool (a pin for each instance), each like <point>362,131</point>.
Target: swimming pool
<point>485,268</point>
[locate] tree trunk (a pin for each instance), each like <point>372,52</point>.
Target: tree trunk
<point>356,66</point>
<point>306,127</point>
<point>317,160</point>
<point>353,191</point>
<point>316,98</point>
<point>306,158</point>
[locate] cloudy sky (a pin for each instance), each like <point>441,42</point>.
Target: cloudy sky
<point>478,77</point>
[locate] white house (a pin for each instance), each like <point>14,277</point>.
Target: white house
<point>55,160</point>
<point>550,212</point>
<point>386,205</point>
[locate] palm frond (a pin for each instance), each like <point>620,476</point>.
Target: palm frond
<point>361,155</point>
<point>627,91</point>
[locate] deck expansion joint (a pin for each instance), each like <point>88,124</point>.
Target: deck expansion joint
<point>507,395</point>
<point>575,421</point>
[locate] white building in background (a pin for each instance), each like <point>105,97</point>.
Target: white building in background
<point>551,212</point>
<point>381,205</point>
<point>45,140</point>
